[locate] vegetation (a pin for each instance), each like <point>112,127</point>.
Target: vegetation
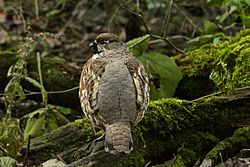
<point>228,62</point>
<point>197,57</point>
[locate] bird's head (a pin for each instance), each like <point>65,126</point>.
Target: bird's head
<point>106,41</point>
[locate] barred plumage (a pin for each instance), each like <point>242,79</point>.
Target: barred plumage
<point>114,91</point>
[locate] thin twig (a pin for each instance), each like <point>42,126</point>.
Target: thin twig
<point>169,38</point>
<point>168,17</point>
<point>27,151</point>
<point>186,16</point>
<point>51,92</point>
<point>61,159</point>
<point>70,21</point>
<point>137,5</point>
<point>209,95</point>
<point>37,9</point>
<point>149,32</point>
<point>115,12</point>
<point>221,158</point>
<point>44,93</point>
<point>57,92</point>
<point>147,165</point>
<point>168,41</point>
<point>39,67</point>
<point>23,19</point>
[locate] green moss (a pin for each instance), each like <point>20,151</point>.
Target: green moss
<point>164,116</point>
<point>55,73</point>
<point>227,63</point>
<point>152,135</point>
<point>240,140</point>
<point>85,123</point>
<point>178,162</point>
<point>185,157</point>
<point>241,74</point>
<point>171,124</point>
<point>135,159</point>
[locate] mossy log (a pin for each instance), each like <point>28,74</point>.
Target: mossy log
<point>188,129</point>
<point>228,147</point>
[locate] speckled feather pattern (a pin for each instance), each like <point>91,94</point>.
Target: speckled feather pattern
<point>114,92</point>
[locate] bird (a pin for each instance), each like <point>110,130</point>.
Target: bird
<point>114,91</point>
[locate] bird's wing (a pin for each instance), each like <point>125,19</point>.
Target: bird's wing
<point>89,85</point>
<point>141,82</point>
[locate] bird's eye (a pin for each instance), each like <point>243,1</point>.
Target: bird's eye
<point>104,42</point>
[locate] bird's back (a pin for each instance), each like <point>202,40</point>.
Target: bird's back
<point>114,91</point>
<point>117,107</point>
<point>117,94</point>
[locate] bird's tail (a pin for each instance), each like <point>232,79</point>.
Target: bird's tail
<point>118,138</point>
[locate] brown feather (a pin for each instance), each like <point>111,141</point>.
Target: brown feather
<point>89,84</point>
<point>141,81</point>
<point>109,49</point>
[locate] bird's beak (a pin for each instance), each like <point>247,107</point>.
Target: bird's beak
<point>92,44</point>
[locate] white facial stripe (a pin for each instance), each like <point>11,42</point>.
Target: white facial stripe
<point>106,41</point>
<point>95,56</point>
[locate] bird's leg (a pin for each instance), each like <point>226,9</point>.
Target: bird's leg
<point>93,126</point>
